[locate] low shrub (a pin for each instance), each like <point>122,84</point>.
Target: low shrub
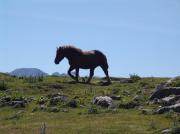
<point>3,85</point>
<point>92,110</point>
<point>134,77</point>
<point>33,79</point>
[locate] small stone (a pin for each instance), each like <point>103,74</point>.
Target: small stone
<point>54,109</point>
<point>72,103</point>
<point>43,107</point>
<point>17,104</point>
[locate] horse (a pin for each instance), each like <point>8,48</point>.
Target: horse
<point>79,59</point>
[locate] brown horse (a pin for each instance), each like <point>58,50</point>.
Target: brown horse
<point>82,59</point>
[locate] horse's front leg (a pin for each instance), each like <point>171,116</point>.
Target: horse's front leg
<point>77,74</point>
<point>91,75</point>
<point>69,72</point>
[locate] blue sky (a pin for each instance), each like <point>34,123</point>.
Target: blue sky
<point>138,36</point>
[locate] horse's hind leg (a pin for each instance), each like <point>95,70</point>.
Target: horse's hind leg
<point>91,75</point>
<point>107,74</point>
<point>77,74</point>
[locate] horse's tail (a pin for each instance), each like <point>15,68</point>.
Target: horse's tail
<point>102,58</point>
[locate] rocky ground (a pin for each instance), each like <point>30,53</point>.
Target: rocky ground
<point>59,105</point>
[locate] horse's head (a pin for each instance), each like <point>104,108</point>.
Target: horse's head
<point>59,55</point>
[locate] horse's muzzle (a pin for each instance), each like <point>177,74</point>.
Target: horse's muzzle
<point>56,62</point>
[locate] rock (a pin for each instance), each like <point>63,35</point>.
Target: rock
<point>155,101</point>
<point>9,101</point>
<point>64,110</point>
<point>175,130</point>
<point>175,108</point>
<point>166,131</point>
<point>105,83</point>
<point>137,98</point>
<point>43,107</point>
<point>126,80</point>
<point>72,103</point>
<point>165,92</point>
<point>17,104</point>
<point>55,99</point>
<point>53,109</point>
<point>53,95</point>
<point>171,100</point>
<point>129,105</point>
<point>115,97</point>
<point>103,101</point>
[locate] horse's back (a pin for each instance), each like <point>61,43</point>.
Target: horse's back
<point>99,58</point>
<point>88,59</point>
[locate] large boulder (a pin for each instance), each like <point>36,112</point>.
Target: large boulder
<point>103,101</point>
<point>165,92</point>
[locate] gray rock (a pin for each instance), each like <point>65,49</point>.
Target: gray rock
<point>175,108</point>
<point>115,97</point>
<point>137,98</point>
<point>155,101</point>
<point>165,92</point>
<point>72,103</point>
<point>13,102</point>
<point>103,101</point>
<point>175,130</point>
<point>129,105</point>
<point>171,100</point>
<point>166,131</point>
<point>126,80</point>
<point>43,107</point>
<point>54,109</point>
<point>58,98</point>
<point>17,104</point>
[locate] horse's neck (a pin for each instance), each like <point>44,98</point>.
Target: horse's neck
<point>70,54</point>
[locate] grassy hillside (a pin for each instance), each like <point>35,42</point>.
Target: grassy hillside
<point>86,117</point>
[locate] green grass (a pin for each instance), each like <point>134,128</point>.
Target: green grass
<point>77,120</point>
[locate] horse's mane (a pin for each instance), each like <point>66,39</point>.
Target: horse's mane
<point>73,48</point>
